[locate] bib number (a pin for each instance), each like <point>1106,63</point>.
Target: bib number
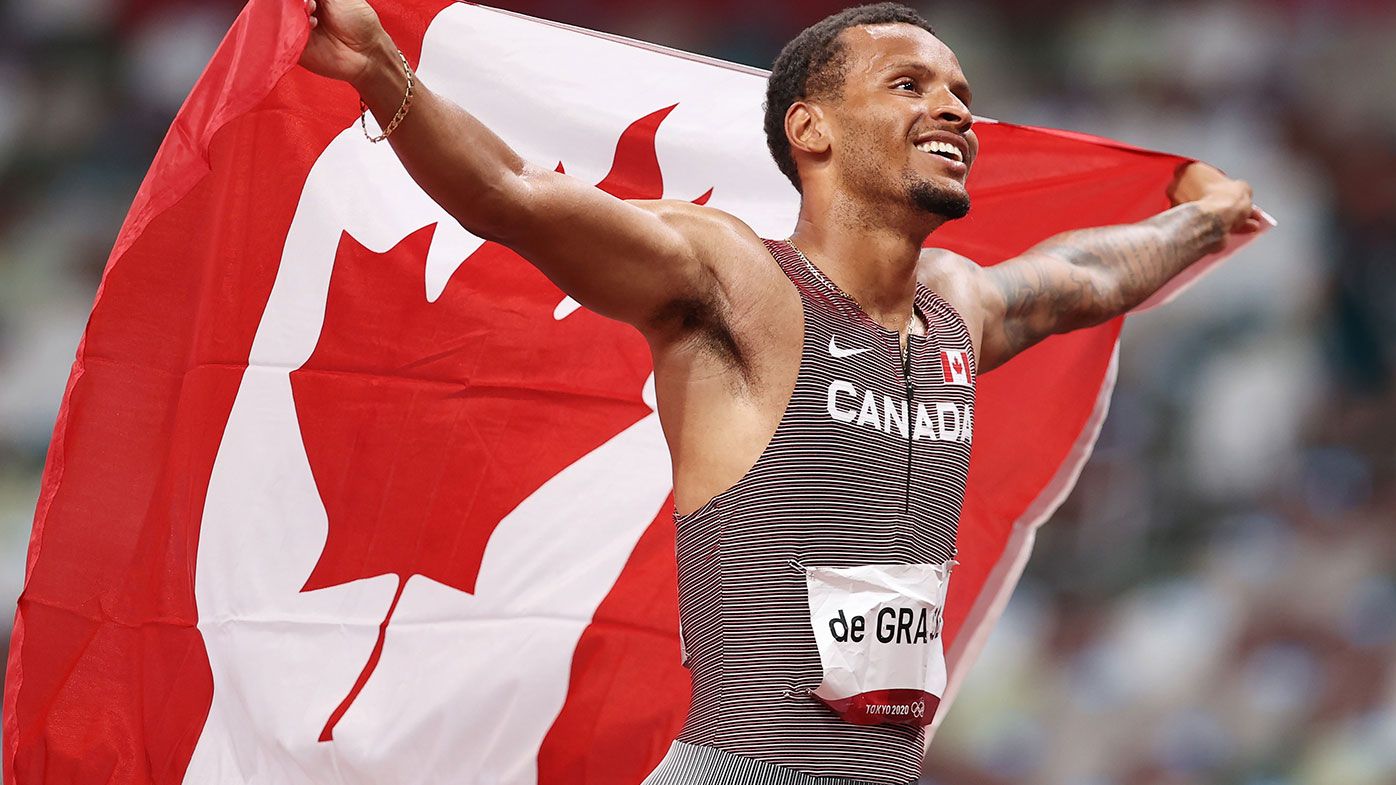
<point>878,630</point>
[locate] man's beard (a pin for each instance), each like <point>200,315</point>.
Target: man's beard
<point>938,200</point>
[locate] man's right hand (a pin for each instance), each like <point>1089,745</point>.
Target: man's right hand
<point>345,37</point>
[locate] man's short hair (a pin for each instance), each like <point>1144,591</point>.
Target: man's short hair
<point>813,65</point>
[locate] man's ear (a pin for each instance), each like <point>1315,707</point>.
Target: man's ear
<point>807,128</point>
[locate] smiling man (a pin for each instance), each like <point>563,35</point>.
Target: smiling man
<point>817,392</point>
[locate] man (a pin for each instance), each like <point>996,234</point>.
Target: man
<point>816,393</point>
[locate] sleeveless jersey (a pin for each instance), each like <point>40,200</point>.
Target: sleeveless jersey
<point>867,466</point>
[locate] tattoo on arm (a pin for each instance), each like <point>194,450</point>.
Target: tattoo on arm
<point>1082,278</point>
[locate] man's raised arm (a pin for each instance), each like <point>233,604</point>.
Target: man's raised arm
<point>1085,277</point>
<point>626,260</point>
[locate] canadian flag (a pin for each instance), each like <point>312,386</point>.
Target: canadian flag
<point>340,493</point>
<point>954,365</point>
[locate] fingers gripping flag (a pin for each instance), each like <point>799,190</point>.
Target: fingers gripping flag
<point>341,493</point>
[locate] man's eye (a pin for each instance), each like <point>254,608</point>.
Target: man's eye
<point>907,83</point>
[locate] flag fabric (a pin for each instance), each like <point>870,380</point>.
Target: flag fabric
<point>340,493</point>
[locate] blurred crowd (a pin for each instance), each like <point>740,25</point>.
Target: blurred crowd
<point>1216,602</point>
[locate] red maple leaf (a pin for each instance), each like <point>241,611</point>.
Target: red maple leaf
<point>426,423</point>
<point>958,366</point>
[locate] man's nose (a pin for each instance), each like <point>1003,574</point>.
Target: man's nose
<point>948,108</point>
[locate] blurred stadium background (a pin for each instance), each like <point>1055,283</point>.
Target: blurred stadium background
<point>1216,603</point>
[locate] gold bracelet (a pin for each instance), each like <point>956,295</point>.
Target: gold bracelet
<point>401,110</point>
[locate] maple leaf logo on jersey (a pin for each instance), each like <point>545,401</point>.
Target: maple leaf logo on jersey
<point>426,423</point>
<point>954,366</point>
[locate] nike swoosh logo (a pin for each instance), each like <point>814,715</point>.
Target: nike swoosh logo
<point>836,351</point>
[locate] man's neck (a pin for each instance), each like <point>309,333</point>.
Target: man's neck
<point>871,259</point>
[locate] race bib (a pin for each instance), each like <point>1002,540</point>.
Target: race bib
<point>878,630</point>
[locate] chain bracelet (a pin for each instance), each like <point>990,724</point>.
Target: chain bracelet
<point>401,110</point>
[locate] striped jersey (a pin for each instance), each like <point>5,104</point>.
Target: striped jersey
<point>867,466</point>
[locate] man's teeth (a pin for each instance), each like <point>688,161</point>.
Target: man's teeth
<point>934,147</point>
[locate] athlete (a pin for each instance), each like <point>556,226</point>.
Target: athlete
<point>816,393</point>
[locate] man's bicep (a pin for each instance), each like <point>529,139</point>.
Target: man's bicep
<point>622,259</point>
<point>1030,297</point>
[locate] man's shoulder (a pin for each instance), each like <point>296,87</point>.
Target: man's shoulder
<point>944,262</point>
<point>746,288</point>
<point>949,274</point>
<point>699,221</point>
<point>724,243</point>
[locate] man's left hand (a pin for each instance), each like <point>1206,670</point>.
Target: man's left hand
<point>1209,186</point>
